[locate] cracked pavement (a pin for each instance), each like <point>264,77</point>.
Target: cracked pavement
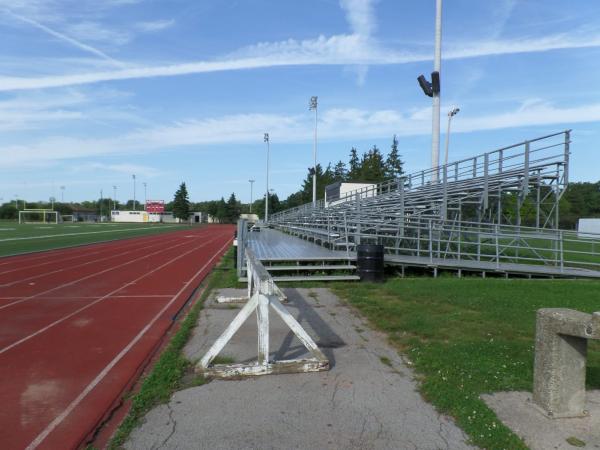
<point>361,403</point>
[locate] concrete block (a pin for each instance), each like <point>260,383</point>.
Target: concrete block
<point>560,360</point>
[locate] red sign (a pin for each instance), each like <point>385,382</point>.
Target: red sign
<point>155,206</point>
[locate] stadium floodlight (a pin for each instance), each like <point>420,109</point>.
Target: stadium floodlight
<point>313,106</point>
<point>268,141</point>
<point>114,198</point>
<point>134,192</point>
<point>251,192</point>
<point>145,194</point>
<point>451,114</point>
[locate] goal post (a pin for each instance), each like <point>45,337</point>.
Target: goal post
<point>38,216</point>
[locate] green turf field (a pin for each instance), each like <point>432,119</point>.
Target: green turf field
<point>16,238</point>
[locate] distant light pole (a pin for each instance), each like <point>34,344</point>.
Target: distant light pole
<point>114,198</point>
<point>145,195</point>
<point>451,114</point>
<point>134,192</point>
<point>101,201</point>
<point>251,197</point>
<point>51,202</point>
<point>314,106</point>
<point>267,140</point>
<point>62,194</point>
<point>17,201</point>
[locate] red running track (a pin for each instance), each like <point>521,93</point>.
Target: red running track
<point>77,324</point>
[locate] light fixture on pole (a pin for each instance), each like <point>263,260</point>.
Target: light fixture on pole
<point>313,106</point>
<point>267,140</point>
<point>145,194</point>
<point>251,191</point>
<point>133,192</point>
<point>451,114</point>
<point>433,90</point>
<point>114,198</point>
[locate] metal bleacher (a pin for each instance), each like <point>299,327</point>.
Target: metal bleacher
<point>495,212</point>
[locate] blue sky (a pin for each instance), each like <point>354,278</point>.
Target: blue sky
<point>183,90</point>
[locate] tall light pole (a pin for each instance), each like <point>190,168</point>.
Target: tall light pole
<point>451,114</point>
<point>251,196</point>
<point>133,191</point>
<point>314,106</point>
<point>145,194</point>
<point>17,201</point>
<point>114,198</point>
<point>267,140</point>
<point>101,201</point>
<point>437,66</point>
<point>62,194</point>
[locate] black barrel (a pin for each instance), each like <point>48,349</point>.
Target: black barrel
<point>369,262</point>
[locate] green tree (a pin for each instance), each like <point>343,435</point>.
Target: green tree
<point>233,209</point>
<point>393,163</point>
<point>9,211</point>
<point>339,171</point>
<point>372,167</point>
<point>181,203</point>
<point>354,166</point>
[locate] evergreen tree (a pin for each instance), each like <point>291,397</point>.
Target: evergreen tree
<point>354,166</point>
<point>339,171</point>
<point>372,167</point>
<point>221,214</point>
<point>233,209</point>
<point>393,163</point>
<point>181,203</point>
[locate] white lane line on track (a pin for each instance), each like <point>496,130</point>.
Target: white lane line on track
<point>90,387</point>
<point>45,236</point>
<point>33,277</point>
<point>104,297</point>
<point>27,298</point>
<point>50,253</point>
<point>53,258</point>
<point>94,297</point>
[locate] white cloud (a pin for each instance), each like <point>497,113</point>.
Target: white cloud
<point>32,110</point>
<point>157,25</point>
<point>245,128</point>
<point>94,31</point>
<point>63,37</point>
<point>360,15</point>
<point>128,169</point>
<point>335,50</point>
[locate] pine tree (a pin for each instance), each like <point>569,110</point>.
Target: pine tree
<point>181,203</point>
<point>339,171</point>
<point>393,163</point>
<point>372,168</point>
<point>233,209</point>
<point>354,166</point>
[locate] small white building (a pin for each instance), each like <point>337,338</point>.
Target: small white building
<point>588,228</point>
<point>129,216</point>
<point>340,192</point>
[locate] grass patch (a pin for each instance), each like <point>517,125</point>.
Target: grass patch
<point>385,360</point>
<point>223,359</point>
<point>165,377</point>
<point>471,336</point>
